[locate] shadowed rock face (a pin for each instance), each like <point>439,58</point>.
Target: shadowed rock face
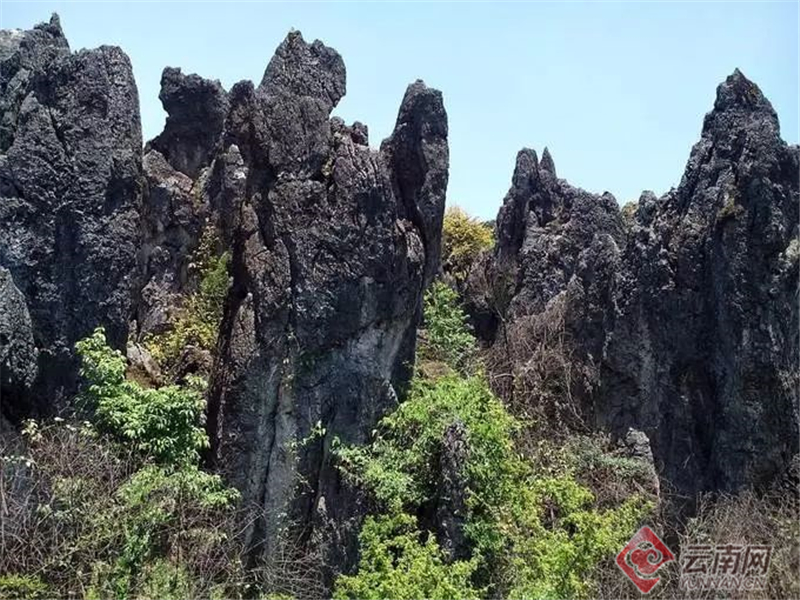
<point>70,177</point>
<point>173,216</point>
<point>685,312</point>
<point>704,356</point>
<point>18,355</point>
<point>332,245</point>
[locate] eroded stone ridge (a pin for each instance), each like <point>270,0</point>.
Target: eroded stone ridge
<point>332,245</point>
<point>683,312</point>
<point>70,193</point>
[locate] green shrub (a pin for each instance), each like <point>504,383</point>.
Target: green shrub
<point>22,587</point>
<point>447,335</point>
<point>197,322</point>
<point>534,530</point>
<point>164,424</point>
<point>463,240</point>
<point>164,580</point>
<point>399,561</point>
<point>530,536</point>
<point>158,512</point>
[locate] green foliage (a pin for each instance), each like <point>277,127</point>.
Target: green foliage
<point>531,537</point>
<point>135,517</point>
<point>400,562</point>
<point>22,587</point>
<point>197,322</point>
<point>448,338</point>
<point>557,556</point>
<point>165,423</point>
<point>463,240</point>
<point>157,511</point>
<point>165,506</point>
<point>166,581</point>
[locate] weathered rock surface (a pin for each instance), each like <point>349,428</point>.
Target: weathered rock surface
<point>180,195</point>
<point>451,497</point>
<point>682,316</point>
<point>18,354</point>
<point>173,217</point>
<point>333,243</point>
<point>196,110</point>
<point>704,353</point>
<point>70,179</point>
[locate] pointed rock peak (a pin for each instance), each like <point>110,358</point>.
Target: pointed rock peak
<point>302,69</point>
<point>547,163</point>
<point>196,110</point>
<point>423,104</point>
<point>738,92</point>
<point>44,35</point>
<point>526,168</point>
<point>53,26</point>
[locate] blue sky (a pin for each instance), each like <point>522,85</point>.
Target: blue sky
<point>617,90</point>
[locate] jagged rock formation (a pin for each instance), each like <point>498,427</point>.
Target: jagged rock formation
<point>18,354</point>
<point>332,245</point>
<point>70,179</point>
<point>196,110</point>
<point>178,207</point>
<point>704,354</point>
<point>682,316</point>
<point>173,217</point>
<point>676,320</point>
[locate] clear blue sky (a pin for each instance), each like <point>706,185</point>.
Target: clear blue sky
<point>617,90</point>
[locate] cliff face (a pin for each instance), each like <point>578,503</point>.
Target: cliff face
<point>682,316</point>
<point>333,243</point>
<point>705,351</point>
<point>678,318</point>
<point>70,193</point>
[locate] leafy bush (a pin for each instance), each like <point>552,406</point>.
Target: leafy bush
<point>90,520</point>
<point>532,531</point>
<point>399,561</point>
<point>123,504</point>
<point>165,423</point>
<point>158,512</point>
<point>447,337</point>
<point>463,240</point>
<point>198,320</point>
<point>22,587</point>
<point>530,537</point>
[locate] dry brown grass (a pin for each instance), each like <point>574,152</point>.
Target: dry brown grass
<point>55,481</point>
<point>534,368</point>
<point>771,519</point>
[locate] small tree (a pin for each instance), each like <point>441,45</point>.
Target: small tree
<point>463,239</point>
<point>165,424</point>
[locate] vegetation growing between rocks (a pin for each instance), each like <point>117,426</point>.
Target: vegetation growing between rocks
<point>446,337</point>
<point>197,322</point>
<point>464,238</point>
<point>528,533</point>
<point>164,424</point>
<point>117,508</point>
